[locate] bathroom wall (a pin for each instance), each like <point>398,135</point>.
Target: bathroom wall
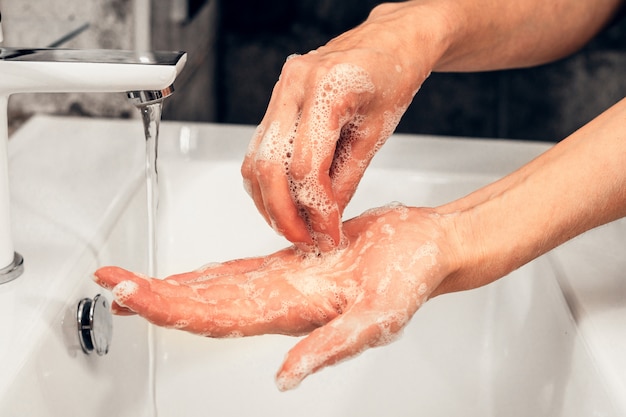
<point>237,48</point>
<point>38,23</point>
<point>191,27</point>
<point>175,25</point>
<point>544,103</point>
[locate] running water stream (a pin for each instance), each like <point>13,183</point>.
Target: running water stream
<point>151,117</point>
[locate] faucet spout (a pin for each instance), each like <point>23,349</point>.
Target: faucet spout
<point>147,97</point>
<point>51,70</point>
<point>145,77</point>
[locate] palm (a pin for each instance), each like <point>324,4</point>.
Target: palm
<point>358,297</point>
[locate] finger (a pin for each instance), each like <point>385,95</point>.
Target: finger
<point>248,171</point>
<point>313,194</point>
<point>118,310</point>
<point>272,191</point>
<point>273,139</point>
<point>214,270</point>
<point>336,100</point>
<point>279,205</point>
<point>343,338</point>
<point>109,276</point>
<point>311,187</point>
<point>359,141</point>
<point>235,271</point>
<point>248,313</point>
<point>140,297</point>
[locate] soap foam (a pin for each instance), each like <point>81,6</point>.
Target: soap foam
<point>124,290</point>
<point>340,81</point>
<point>208,266</point>
<point>421,290</point>
<point>388,230</point>
<point>255,141</point>
<point>180,324</point>
<point>429,250</point>
<point>388,327</point>
<point>383,285</point>
<point>351,133</point>
<point>274,147</point>
<point>274,143</point>
<point>390,122</point>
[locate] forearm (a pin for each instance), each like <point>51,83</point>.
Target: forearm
<point>480,35</point>
<point>577,185</point>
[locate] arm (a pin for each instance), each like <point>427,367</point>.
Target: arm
<point>395,258</point>
<point>333,108</point>
<point>490,35</point>
<point>577,185</point>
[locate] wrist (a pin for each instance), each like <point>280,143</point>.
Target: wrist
<point>484,245</point>
<point>424,31</point>
<point>462,250</point>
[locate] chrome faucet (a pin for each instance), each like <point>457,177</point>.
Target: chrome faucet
<point>51,70</point>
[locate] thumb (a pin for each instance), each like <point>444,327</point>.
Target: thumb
<point>340,339</point>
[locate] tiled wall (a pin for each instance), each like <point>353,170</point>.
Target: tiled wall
<point>544,103</point>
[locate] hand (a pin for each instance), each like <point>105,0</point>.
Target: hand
<point>349,300</point>
<point>329,113</point>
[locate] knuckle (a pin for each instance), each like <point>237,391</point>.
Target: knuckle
<point>300,169</point>
<point>246,168</point>
<point>293,68</point>
<point>266,172</point>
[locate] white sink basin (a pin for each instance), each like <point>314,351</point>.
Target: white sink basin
<point>546,341</point>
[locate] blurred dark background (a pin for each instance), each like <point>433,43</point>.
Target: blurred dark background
<point>543,103</point>
<point>236,50</point>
